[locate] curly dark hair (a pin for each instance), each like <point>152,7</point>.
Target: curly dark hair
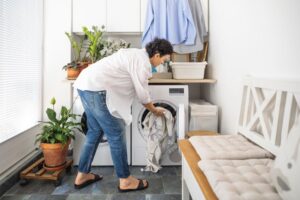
<point>161,46</point>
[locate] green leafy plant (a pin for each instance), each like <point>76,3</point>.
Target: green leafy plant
<point>60,129</point>
<point>109,47</point>
<point>95,36</point>
<point>79,53</point>
<point>98,46</point>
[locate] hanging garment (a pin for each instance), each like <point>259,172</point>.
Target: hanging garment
<point>199,21</point>
<point>171,20</point>
<point>160,135</point>
<point>204,4</point>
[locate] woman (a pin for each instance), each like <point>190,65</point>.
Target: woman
<point>107,89</point>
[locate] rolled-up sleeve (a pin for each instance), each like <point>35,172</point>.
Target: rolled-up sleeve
<point>140,74</point>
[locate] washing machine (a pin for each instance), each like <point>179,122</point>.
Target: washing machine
<point>102,156</point>
<point>171,97</point>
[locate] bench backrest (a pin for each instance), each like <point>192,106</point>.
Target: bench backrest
<point>268,111</point>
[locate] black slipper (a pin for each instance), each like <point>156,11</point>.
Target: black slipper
<point>141,186</point>
<point>88,182</point>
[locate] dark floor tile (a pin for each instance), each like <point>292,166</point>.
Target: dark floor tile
<point>136,171</point>
<point>172,185</point>
<point>168,181</point>
<point>165,171</point>
<point>103,170</point>
<point>47,197</point>
<point>163,197</point>
<point>155,187</point>
<point>33,187</point>
<point>168,171</point>
<point>67,187</point>
<point>128,196</point>
<point>15,197</point>
<point>87,197</point>
<point>179,171</point>
<point>108,185</point>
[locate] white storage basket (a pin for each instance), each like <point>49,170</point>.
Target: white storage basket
<point>203,116</point>
<point>188,70</point>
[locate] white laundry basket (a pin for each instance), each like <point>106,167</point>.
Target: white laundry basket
<point>188,70</point>
<point>203,116</point>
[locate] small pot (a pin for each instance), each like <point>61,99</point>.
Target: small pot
<point>83,65</point>
<point>73,73</point>
<point>55,155</point>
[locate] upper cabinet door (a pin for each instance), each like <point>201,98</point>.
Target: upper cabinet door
<point>123,16</point>
<point>144,4</point>
<point>88,13</point>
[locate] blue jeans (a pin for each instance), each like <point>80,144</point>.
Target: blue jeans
<point>100,121</point>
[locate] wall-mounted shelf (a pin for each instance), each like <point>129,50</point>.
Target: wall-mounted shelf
<point>170,80</point>
<point>182,81</point>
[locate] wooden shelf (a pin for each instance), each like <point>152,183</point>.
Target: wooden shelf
<point>178,81</point>
<point>182,81</point>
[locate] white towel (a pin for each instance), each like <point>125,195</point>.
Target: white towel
<point>160,135</point>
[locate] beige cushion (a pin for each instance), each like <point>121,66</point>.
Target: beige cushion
<point>240,179</point>
<point>227,147</point>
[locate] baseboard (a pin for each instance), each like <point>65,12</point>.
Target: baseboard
<point>11,176</point>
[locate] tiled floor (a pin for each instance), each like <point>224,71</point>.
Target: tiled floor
<point>165,185</point>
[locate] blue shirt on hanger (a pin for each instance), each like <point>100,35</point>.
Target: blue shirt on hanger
<point>171,20</point>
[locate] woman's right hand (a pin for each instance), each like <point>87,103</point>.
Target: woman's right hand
<point>159,111</point>
<point>155,110</point>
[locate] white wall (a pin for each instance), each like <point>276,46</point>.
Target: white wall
<point>57,52</point>
<point>250,37</point>
<point>58,20</point>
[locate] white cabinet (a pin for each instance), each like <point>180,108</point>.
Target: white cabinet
<point>123,16</point>
<point>144,4</point>
<point>88,13</point>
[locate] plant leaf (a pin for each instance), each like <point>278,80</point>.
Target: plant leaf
<point>51,114</point>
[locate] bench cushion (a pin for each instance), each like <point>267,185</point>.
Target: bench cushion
<point>234,147</point>
<point>240,179</point>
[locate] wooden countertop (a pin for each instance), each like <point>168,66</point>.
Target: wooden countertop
<point>174,81</point>
<point>182,81</point>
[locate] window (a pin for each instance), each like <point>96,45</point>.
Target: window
<point>21,53</point>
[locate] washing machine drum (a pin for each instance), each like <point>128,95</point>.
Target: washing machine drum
<point>84,128</point>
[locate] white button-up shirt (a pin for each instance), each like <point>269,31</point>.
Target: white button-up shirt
<point>124,75</point>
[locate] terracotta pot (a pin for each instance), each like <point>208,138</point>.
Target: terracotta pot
<point>84,65</point>
<point>55,155</point>
<point>73,73</point>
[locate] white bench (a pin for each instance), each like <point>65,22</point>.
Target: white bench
<point>268,111</point>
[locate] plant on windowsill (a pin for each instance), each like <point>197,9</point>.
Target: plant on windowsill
<point>79,62</point>
<point>56,136</point>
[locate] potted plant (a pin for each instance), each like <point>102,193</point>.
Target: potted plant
<point>98,47</point>
<point>94,37</point>
<point>56,136</point>
<point>79,62</point>
<point>108,47</point>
